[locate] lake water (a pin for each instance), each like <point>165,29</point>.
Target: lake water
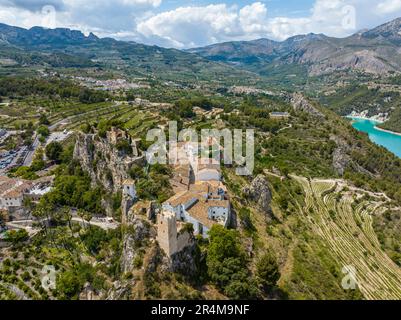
<point>388,140</point>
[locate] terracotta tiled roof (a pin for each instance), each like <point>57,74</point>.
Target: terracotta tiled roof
<point>181,198</point>
<point>128,182</point>
<point>197,197</point>
<point>13,188</point>
<point>200,211</point>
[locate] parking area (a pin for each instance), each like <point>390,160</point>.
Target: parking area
<point>58,136</point>
<point>9,159</point>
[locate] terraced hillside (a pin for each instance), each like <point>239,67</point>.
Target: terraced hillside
<point>342,217</point>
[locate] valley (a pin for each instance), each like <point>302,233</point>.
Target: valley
<point>319,216</point>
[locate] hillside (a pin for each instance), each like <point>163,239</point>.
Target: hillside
<point>68,48</point>
<point>394,123</point>
<point>316,181</point>
<point>374,52</point>
<point>322,199</point>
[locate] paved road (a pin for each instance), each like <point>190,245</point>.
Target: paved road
<point>27,224</point>
<point>23,225</point>
<point>29,156</point>
<point>103,225</point>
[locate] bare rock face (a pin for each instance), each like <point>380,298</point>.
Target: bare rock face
<point>103,162</point>
<point>133,239</point>
<point>121,290</point>
<point>186,262</point>
<point>341,158</point>
<point>340,161</point>
<point>300,103</point>
<point>126,204</point>
<point>363,60</point>
<point>260,193</point>
<point>88,293</point>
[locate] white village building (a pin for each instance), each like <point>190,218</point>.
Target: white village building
<point>14,191</point>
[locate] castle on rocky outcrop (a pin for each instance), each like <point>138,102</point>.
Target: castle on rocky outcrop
<point>201,200</point>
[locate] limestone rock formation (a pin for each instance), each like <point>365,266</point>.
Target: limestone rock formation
<point>103,161</point>
<point>300,103</point>
<point>121,290</point>
<point>106,165</point>
<point>88,293</point>
<point>139,230</point>
<point>126,204</point>
<point>341,159</point>
<point>260,193</point>
<point>186,262</point>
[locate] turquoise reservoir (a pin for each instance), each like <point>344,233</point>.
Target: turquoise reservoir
<point>388,140</point>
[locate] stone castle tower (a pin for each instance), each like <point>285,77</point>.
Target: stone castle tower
<point>170,237</point>
<point>167,232</point>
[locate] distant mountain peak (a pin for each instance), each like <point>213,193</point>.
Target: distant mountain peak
<point>390,30</point>
<point>43,36</point>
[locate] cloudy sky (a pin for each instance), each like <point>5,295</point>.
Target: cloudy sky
<point>191,23</point>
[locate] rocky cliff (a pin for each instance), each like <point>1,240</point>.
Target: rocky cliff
<point>105,164</point>
<point>341,158</point>
<point>300,103</point>
<point>259,193</point>
<point>137,233</point>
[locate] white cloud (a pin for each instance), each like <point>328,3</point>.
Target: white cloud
<point>252,18</point>
<point>101,16</point>
<point>196,26</point>
<point>389,6</point>
<point>187,26</point>
<point>108,3</point>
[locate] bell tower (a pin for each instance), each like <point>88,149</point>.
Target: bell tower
<point>129,188</point>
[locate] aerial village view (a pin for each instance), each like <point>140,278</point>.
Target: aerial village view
<point>200,158</point>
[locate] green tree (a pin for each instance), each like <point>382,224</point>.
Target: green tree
<point>43,131</point>
<point>94,238</point>
<point>43,120</point>
<point>124,147</point>
<point>54,151</point>
<point>245,216</point>
<point>17,236</point>
<point>267,270</point>
<point>227,264</point>
<point>68,285</point>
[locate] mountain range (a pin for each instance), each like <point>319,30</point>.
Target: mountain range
<point>69,48</point>
<point>375,52</point>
